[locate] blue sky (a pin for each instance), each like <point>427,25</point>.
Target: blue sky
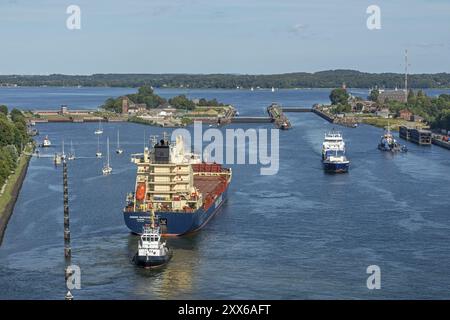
<point>222,36</point>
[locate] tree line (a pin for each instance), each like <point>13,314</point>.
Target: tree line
<point>13,138</point>
<point>322,79</point>
<point>436,110</point>
<point>147,96</point>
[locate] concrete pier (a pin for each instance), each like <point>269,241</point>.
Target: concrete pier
<point>278,117</point>
<point>251,120</point>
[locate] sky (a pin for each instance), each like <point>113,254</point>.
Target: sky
<point>223,36</point>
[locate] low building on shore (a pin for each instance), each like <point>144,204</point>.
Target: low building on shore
<point>417,118</point>
<point>384,113</point>
<point>392,95</point>
<point>63,111</point>
<point>130,107</point>
<point>405,114</point>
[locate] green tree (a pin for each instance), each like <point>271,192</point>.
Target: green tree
<point>374,94</point>
<point>181,102</point>
<point>339,96</point>
<point>4,109</point>
<point>113,105</point>
<point>411,97</point>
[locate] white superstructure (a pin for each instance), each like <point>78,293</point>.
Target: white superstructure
<point>333,142</point>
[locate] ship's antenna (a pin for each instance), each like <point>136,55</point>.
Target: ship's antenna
<point>145,143</point>
<point>406,75</point>
<point>165,136</point>
<point>154,139</point>
<point>152,216</point>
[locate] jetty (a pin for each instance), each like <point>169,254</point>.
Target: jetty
<point>418,136</point>
<point>441,141</point>
<point>278,117</point>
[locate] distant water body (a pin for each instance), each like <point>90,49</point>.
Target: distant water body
<point>32,98</point>
<point>300,234</point>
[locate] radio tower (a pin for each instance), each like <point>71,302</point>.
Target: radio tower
<point>406,75</point>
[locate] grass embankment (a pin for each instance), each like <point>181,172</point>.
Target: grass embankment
<point>394,124</point>
<point>11,190</point>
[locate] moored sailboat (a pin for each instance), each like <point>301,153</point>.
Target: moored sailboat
<point>99,130</point>
<point>107,168</point>
<point>118,150</point>
<point>98,154</point>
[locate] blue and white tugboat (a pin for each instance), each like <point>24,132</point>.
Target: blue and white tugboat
<point>388,143</point>
<point>152,252</point>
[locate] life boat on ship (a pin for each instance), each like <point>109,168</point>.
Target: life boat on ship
<point>140,191</point>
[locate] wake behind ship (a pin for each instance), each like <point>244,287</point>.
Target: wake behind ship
<point>184,192</point>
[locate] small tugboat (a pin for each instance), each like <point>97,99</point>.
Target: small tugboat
<point>107,168</point>
<point>388,143</point>
<point>46,143</point>
<point>284,126</point>
<point>152,252</point>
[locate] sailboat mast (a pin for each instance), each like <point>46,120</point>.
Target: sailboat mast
<point>118,143</point>
<point>107,141</point>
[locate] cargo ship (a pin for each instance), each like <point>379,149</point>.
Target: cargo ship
<point>184,192</point>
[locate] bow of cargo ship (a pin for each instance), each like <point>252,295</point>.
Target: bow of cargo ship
<point>184,192</point>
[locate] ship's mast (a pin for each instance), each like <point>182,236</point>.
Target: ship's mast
<point>107,141</point>
<point>145,142</point>
<point>154,140</point>
<point>165,135</point>
<point>406,75</point>
<point>152,217</point>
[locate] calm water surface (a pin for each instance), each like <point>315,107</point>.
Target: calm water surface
<point>298,234</point>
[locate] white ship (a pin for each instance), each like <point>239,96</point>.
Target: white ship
<point>333,142</point>
<point>46,143</point>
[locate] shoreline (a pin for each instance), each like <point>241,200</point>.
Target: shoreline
<point>6,212</point>
<point>207,88</point>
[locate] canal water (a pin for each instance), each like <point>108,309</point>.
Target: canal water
<point>299,234</point>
